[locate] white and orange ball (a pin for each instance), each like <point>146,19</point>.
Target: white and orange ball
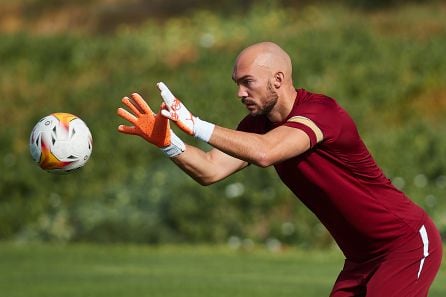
<point>60,142</point>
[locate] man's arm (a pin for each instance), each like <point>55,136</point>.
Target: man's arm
<point>263,150</point>
<point>233,150</point>
<point>204,167</point>
<point>207,167</point>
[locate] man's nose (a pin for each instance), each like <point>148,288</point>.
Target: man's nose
<point>242,93</point>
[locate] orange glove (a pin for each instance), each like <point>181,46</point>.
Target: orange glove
<point>152,127</point>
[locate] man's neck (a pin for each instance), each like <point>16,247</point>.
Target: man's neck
<point>283,107</point>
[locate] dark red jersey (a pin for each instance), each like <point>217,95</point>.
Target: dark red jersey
<point>339,181</point>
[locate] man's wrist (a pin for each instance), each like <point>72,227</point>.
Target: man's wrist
<point>203,130</point>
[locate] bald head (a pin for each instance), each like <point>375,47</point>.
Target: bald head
<point>263,73</point>
<point>265,57</point>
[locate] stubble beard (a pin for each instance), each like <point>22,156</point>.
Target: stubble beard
<point>271,99</point>
<point>269,102</point>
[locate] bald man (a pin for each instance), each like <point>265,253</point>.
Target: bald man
<point>391,246</point>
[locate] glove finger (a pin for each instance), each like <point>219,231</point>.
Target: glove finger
<point>165,113</point>
<point>126,101</point>
<point>127,115</point>
<point>174,117</point>
<point>166,94</point>
<point>142,104</point>
<point>128,130</point>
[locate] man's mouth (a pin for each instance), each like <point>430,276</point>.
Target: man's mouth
<point>249,105</point>
<point>248,102</point>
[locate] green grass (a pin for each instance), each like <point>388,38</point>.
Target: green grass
<point>105,270</point>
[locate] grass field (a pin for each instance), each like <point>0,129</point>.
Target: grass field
<point>106,270</point>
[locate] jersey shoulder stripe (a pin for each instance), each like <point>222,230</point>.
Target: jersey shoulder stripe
<point>310,124</point>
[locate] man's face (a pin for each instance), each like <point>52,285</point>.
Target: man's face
<point>255,88</point>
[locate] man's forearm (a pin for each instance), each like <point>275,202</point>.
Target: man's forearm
<point>242,145</point>
<point>261,149</point>
<point>195,163</point>
<point>207,167</point>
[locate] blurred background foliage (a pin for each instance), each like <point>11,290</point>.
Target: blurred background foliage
<point>384,61</point>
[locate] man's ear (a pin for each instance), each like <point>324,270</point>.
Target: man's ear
<point>278,79</point>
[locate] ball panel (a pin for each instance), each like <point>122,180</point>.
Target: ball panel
<point>48,160</point>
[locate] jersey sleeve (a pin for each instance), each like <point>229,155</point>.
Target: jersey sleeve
<point>319,119</point>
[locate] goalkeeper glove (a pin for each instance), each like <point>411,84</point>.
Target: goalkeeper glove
<point>154,128</point>
<point>175,110</point>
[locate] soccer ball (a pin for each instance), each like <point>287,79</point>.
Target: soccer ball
<point>60,142</point>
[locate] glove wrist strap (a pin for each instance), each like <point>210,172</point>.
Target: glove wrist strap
<point>203,130</point>
<point>176,146</point>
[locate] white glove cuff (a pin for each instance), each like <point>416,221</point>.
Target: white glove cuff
<point>203,130</point>
<point>176,146</point>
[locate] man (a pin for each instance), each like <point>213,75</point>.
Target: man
<point>391,246</point>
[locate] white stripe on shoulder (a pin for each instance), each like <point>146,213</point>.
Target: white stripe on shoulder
<point>310,124</point>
